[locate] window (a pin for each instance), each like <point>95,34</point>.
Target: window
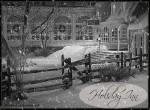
<point>124,34</point>
<point>40,33</point>
<point>62,28</point>
<point>14,28</point>
<point>98,30</point>
<point>105,35</point>
<point>83,32</point>
<point>114,34</point>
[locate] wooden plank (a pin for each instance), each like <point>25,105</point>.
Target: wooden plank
<point>135,58</point>
<point>46,88</point>
<point>94,58</point>
<point>106,60</point>
<point>42,70</point>
<point>39,81</point>
<point>42,87</point>
<point>79,62</point>
<point>94,55</point>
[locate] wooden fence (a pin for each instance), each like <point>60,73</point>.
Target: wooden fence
<point>67,78</point>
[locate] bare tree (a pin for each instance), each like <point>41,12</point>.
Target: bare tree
<point>26,20</point>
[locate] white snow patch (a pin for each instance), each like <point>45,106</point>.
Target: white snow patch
<point>74,52</point>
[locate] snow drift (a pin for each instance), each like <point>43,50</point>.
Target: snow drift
<point>73,52</point>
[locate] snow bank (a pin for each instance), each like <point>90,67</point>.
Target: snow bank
<point>74,52</point>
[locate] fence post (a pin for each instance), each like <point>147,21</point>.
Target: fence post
<point>121,59</point>
<point>125,60</point>
<point>141,68</point>
<point>130,62</point>
<point>136,56</point>
<point>70,71</point>
<point>62,63</point>
<point>89,62</point>
<point>117,56</point>
<point>9,77</point>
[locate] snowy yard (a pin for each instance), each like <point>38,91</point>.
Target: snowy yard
<point>69,98</point>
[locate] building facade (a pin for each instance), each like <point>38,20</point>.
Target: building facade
<point>71,26</point>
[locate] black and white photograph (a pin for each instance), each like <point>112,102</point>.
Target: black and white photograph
<point>74,54</point>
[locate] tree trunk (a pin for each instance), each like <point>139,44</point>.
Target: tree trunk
<point>19,74</point>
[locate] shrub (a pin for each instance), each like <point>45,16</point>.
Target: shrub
<point>38,52</point>
<point>42,52</point>
<point>113,73</point>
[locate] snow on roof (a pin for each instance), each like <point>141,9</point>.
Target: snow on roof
<point>142,22</point>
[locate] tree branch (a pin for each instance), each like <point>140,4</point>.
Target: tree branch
<point>35,14</point>
<point>44,20</point>
<point>14,15</point>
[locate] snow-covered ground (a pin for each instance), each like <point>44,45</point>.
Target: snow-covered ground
<point>54,60</point>
<point>73,52</point>
<point>69,98</point>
